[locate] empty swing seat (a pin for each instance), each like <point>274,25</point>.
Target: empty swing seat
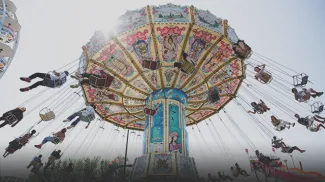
<point>47,116</point>
<point>104,82</point>
<point>300,80</point>
<point>317,108</point>
<point>213,95</point>
<point>152,65</point>
<point>150,112</point>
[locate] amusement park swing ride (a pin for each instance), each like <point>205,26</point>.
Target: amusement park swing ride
<point>169,67</point>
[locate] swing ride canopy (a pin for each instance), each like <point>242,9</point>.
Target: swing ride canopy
<point>9,34</point>
<point>163,33</point>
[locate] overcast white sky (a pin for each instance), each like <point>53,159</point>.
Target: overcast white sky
<point>290,32</point>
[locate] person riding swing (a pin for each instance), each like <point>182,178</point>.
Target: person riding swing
<point>87,115</point>
<point>262,75</point>
<point>280,124</point>
<point>52,80</point>
<point>309,122</point>
<point>259,108</point>
<point>35,162</point>
<point>224,177</point>
<point>187,66</point>
<point>305,94</point>
<point>18,143</point>
<point>55,155</point>
<point>241,171</point>
<point>277,143</point>
<point>264,159</point>
<point>12,117</point>
<point>104,80</point>
<point>55,139</point>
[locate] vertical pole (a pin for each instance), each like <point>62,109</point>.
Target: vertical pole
<point>293,161</point>
<point>301,165</point>
<point>258,180</point>
<point>126,152</point>
<point>265,172</point>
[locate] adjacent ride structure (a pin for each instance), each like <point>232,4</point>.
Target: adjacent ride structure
<point>173,66</point>
<point>9,35</point>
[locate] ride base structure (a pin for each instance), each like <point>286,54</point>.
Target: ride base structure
<point>165,152</point>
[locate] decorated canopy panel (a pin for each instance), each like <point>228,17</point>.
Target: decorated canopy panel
<point>144,54</point>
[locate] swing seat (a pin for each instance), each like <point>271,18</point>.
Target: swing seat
<point>151,65</point>
<point>10,118</point>
<point>300,80</point>
<point>185,66</point>
<point>150,112</point>
<point>56,140</point>
<point>317,108</point>
<point>54,83</point>
<point>104,82</point>
<point>88,118</point>
<point>47,115</point>
<point>213,95</point>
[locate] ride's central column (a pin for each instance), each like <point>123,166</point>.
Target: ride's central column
<point>165,129</point>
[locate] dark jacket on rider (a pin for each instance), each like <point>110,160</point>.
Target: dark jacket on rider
<point>17,113</point>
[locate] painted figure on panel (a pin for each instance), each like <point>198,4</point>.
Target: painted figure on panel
<point>172,144</point>
<point>170,49</point>
<point>196,49</point>
<point>141,49</point>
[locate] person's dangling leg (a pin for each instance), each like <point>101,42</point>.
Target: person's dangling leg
<point>33,76</point>
<point>71,117</point>
<point>85,75</point>
<point>295,148</point>
<point>319,119</point>
<point>82,82</point>
<point>3,124</point>
<point>45,140</point>
<point>319,126</point>
<point>73,124</point>
<point>315,93</point>
<point>285,123</point>
<point>39,83</point>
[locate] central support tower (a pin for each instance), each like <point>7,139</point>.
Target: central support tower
<point>165,129</point>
